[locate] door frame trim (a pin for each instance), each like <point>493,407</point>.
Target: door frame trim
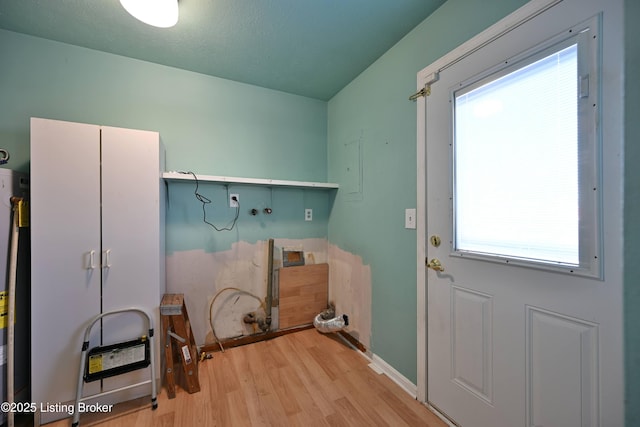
<point>525,13</point>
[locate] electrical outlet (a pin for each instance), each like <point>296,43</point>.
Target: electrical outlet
<point>308,214</point>
<point>234,199</point>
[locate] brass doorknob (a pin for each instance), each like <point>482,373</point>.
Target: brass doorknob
<point>435,265</point>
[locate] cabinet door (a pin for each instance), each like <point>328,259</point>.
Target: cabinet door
<point>65,254</point>
<point>130,236</point>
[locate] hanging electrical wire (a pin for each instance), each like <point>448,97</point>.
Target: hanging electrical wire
<point>205,201</point>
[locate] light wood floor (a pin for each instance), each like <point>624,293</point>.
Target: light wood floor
<point>301,379</point>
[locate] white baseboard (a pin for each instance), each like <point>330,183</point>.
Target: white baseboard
<point>380,366</point>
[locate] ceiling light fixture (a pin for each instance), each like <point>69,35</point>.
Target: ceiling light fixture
<point>159,13</point>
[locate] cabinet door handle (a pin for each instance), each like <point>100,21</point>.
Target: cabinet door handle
<point>92,260</point>
<point>107,259</point>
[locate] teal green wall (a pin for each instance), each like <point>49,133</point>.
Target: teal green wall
<point>375,109</point>
<point>208,125</point>
<point>186,229</point>
<point>632,214</point>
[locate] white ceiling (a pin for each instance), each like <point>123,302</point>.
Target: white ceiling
<point>311,48</point>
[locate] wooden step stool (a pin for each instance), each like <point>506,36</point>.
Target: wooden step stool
<point>179,345</point>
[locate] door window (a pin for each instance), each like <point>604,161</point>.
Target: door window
<point>525,182</point>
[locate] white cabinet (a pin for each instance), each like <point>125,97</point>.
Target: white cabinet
<point>97,238</point>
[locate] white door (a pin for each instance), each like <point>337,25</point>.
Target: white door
<point>519,335</point>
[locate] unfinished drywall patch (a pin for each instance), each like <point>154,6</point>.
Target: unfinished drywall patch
<point>201,275</point>
<point>350,291</point>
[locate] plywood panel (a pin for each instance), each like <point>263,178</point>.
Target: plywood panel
<point>303,293</point>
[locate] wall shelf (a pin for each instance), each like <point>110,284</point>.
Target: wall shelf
<point>179,176</point>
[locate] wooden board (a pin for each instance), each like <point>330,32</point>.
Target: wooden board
<point>304,292</point>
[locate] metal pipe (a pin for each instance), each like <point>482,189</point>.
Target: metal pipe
<point>269,283</point>
<point>13,261</point>
<point>213,300</point>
